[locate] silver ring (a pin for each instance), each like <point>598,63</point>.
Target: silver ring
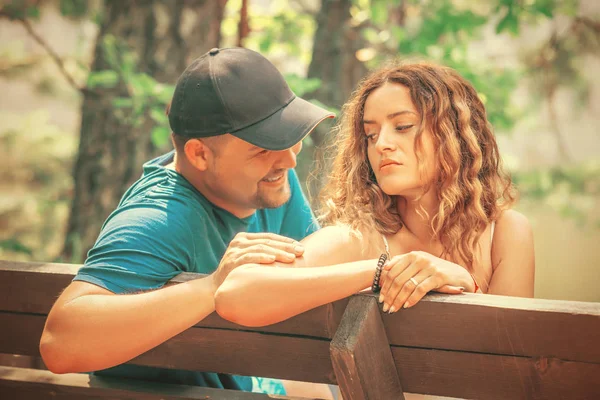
<point>414,281</point>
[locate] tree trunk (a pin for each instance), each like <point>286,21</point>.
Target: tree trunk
<point>334,62</point>
<point>243,25</point>
<point>164,36</point>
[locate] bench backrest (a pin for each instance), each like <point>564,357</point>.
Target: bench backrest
<point>465,346</point>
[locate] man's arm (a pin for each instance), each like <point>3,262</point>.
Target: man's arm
<point>90,328</point>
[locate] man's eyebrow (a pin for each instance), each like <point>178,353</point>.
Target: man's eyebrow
<point>390,116</point>
<point>255,149</point>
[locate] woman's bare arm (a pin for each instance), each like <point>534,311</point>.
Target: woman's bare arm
<point>513,257</point>
<point>257,295</point>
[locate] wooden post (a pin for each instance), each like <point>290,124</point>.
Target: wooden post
<point>361,355</point>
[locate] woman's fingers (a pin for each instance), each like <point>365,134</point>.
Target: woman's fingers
<point>449,289</point>
<point>407,278</point>
<point>412,284</point>
<point>427,285</point>
<point>399,286</point>
<point>414,289</point>
<point>392,270</point>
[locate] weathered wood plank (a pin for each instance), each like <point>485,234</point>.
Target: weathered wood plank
<point>458,346</point>
<point>20,333</point>
<point>31,384</point>
<point>361,354</point>
<point>482,376</point>
<point>19,361</point>
<point>470,322</point>
<point>427,371</point>
<point>34,287</point>
<point>203,349</point>
<point>500,325</point>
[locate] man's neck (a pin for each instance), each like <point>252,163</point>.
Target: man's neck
<point>173,165</point>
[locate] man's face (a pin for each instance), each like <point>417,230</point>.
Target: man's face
<point>242,178</point>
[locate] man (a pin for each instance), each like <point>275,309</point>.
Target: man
<point>237,129</point>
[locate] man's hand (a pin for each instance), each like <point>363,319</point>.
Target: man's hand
<point>256,248</point>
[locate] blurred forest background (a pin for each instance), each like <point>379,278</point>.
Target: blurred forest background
<point>84,85</point>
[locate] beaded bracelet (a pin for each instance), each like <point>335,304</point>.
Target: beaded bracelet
<point>375,287</point>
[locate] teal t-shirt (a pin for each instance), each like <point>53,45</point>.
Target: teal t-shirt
<point>164,226</point>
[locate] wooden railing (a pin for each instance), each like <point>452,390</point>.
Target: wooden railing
<point>466,346</point>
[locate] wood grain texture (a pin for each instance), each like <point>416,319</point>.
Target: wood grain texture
<point>34,287</point>
<point>428,371</point>
<point>203,349</point>
<point>469,322</point>
<point>568,330</point>
<point>465,346</point>
<point>485,376</point>
<point>31,384</point>
<point>361,355</point>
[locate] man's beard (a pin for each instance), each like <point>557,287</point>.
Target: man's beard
<point>264,199</point>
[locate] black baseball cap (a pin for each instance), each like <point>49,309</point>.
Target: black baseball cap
<point>238,91</point>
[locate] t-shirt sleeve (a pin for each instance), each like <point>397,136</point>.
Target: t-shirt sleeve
<point>139,248</point>
<point>298,220</point>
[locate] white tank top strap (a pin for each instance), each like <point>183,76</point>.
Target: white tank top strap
<point>387,246</point>
<point>493,225</point>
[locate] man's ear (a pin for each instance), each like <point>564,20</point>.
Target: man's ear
<point>198,154</point>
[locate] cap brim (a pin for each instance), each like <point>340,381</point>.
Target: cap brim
<point>286,127</point>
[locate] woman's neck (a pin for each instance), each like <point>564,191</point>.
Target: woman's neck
<point>416,216</point>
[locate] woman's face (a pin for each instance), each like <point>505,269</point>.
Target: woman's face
<point>391,122</point>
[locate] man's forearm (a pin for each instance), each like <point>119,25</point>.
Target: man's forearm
<point>97,331</point>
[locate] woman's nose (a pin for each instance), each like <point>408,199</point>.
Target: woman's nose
<point>385,140</point>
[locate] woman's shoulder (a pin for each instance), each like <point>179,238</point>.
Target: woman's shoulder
<point>511,220</point>
<point>513,233</point>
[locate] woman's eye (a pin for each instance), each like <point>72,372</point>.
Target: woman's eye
<point>401,128</point>
<point>371,137</point>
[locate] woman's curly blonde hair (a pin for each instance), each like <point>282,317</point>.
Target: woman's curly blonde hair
<point>472,188</point>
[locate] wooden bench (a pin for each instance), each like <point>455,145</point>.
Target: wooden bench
<point>464,346</point>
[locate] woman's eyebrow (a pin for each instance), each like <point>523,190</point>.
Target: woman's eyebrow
<point>390,116</point>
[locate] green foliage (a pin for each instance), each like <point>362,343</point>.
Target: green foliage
<point>439,30</point>
<point>74,8</point>
<point>300,86</point>
<point>20,9</point>
<point>24,9</point>
<point>284,29</point>
<point>15,246</point>
<point>515,12</point>
<point>141,96</point>
<point>556,63</point>
<point>571,190</point>
<point>442,32</point>
<point>510,20</point>
<point>102,79</point>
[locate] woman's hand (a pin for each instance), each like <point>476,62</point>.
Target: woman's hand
<point>408,277</point>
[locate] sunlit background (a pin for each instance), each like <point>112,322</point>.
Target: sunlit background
<point>104,71</point>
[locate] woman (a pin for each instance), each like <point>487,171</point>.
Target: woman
<point>417,175</point>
